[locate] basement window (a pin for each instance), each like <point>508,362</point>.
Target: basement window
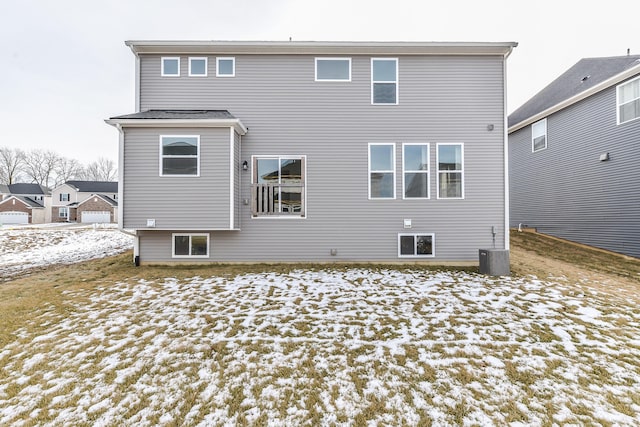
<point>190,245</point>
<point>416,245</point>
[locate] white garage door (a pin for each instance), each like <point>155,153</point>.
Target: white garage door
<point>93,217</point>
<point>14,218</point>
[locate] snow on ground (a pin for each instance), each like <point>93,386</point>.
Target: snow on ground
<point>26,247</point>
<point>327,347</point>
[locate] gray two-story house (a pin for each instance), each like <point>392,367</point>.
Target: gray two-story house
<point>574,151</point>
<point>315,151</point>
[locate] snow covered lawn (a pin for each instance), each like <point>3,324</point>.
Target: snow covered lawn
<point>343,346</point>
<point>26,247</point>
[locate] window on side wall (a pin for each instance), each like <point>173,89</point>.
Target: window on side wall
<point>170,66</point>
<point>416,245</point>
<point>450,163</point>
<point>225,67</point>
<point>539,135</point>
<point>198,66</point>
<point>629,101</point>
<point>382,171</point>
<point>64,197</point>
<point>384,81</point>
<point>190,245</point>
<point>179,155</point>
<point>415,177</point>
<point>333,69</point>
<point>278,188</point>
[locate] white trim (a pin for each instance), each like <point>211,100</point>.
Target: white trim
<point>206,66</point>
<point>461,171</point>
<point>179,123</point>
<point>173,245</point>
<point>331,59</point>
<point>637,79</point>
<point>433,245</point>
<point>542,122</point>
<point>427,172</point>
<point>232,175</point>
<point>162,156</point>
<point>396,82</point>
<point>162,72</point>
<point>137,83</point>
<point>576,98</point>
<point>279,158</point>
<point>225,58</point>
<point>505,144</point>
<point>393,171</point>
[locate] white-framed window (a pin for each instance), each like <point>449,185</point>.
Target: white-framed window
<point>539,135</point>
<point>65,197</point>
<point>63,212</point>
<point>450,162</point>
<point>628,101</point>
<point>278,186</point>
<point>190,245</point>
<point>179,155</point>
<point>384,81</point>
<point>333,70</point>
<point>416,245</point>
<point>198,66</point>
<point>382,170</point>
<point>415,171</point>
<point>170,66</point>
<point>225,67</point>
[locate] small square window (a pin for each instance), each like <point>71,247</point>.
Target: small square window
<point>170,66</point>
<point>416,245</point>
<point>198,67</point>
<point>225,67</point>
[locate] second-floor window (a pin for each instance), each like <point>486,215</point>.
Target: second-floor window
<point>629,101</point>
<point>539,135</point>
<point>198,66</point>
<point>384,81</point>
<point>179,155</point>
<point>333,69</point>
<point>225,67</point>
<point>278,187</point>
<point>64,197</point>
<point>170,66</point>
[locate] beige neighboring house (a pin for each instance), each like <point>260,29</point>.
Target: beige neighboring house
<point>85,201</point>
<point>25,204</point>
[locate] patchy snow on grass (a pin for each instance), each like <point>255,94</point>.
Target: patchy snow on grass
<point>25,248</point>
<point>329,347</point>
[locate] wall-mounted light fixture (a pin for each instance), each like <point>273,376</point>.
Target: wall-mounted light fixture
<point>245,166</point>
<point>490,127</point>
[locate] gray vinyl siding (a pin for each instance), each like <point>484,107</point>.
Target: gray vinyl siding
<point>442,99</point>
<point>179,201</point>
<point>566,191</point>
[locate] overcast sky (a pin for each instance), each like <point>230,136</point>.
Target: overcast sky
<point>64,66</point>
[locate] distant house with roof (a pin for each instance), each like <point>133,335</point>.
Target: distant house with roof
<point>574,156</point>
<point>85,201</point>
<point>24,204</point>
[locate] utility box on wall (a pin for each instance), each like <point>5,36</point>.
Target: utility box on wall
<point>494,262</point>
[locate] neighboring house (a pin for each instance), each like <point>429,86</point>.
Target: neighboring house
<point>85,201</point>
<point>574,156</point>
<point>24,204</point>
<point>315,151</point>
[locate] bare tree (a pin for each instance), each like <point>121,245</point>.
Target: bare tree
<point>10,165</point>
<point>67,169</point>
<point>39,166</point>
<point>102,169</point>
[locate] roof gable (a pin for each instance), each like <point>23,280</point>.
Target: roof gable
<point>30,203</point>
<point>94,186</point>
<point>587,76</point>
<point>104,197</point>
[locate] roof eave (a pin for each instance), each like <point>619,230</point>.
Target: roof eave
<point>318,48</point>
<point>577,98</point>
<point>180,123</point>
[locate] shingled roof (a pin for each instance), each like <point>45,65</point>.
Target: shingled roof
<point>94,186</point>
<point>178,114</point>
<point>28,189</point>
<point>586,74</point>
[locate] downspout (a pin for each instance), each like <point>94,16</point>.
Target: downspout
<point>136,238</point>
